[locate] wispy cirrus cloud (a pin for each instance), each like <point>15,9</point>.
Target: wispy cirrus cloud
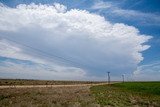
<point>143,18</point>
<point>114,9</point>
<point>101,5</point>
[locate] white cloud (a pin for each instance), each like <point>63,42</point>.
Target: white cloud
<point>148,72</point>
<point>86,39</point>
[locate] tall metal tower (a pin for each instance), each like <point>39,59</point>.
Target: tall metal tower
<point>108,77</point>
<point>123,77</point>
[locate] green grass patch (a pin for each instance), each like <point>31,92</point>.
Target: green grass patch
<point>141,87</point>
<point>128,94</point>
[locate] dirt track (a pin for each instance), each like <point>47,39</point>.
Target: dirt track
<point>41,86</point>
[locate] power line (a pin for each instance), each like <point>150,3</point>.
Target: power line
<point>45,53</point>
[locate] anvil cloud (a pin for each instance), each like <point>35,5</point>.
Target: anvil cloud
<point>84,41</point>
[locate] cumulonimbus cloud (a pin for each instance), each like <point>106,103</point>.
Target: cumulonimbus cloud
<point>85,39</point>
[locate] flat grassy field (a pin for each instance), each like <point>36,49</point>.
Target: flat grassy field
<point>42,82</point>
<point>129,94</point>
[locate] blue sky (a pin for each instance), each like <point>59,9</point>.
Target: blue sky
<point>80,40</point>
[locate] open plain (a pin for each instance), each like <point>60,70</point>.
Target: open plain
<point>78,94</point>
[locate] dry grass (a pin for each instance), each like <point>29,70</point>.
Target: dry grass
<point>42,82</point>
<point>47,97</point>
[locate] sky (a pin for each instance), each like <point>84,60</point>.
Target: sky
<point>80,39</point>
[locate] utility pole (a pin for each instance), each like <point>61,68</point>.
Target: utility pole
<point>123,77</point>
<point>108,77</point>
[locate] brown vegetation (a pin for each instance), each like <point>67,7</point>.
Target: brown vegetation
<point>42,82</point>
<point>47,97</point>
